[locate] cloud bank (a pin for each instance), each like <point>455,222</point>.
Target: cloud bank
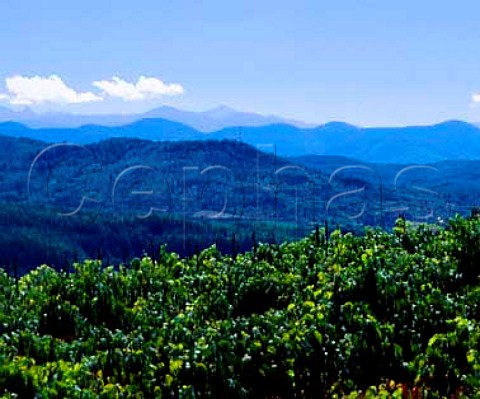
<point>37,90</point>
<point>145,88</point>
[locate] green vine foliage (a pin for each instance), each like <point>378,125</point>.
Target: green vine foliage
<point>388,315</point>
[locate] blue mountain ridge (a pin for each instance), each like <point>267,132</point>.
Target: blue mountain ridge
<point>204,121</point>
<point>451,140</point>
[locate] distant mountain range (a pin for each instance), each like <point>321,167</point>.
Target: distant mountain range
<point>207,121</point>
<point>452,140</point>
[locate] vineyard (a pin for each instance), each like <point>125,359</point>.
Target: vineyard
<point>383,314</point>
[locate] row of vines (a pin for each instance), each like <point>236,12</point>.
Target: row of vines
<point>379,315</point>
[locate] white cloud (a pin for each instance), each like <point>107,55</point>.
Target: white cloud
<point>476,98</point>
<point>34,90</point>
<point>155,87</point>
<point>119,88</point>
<point>145,88</point>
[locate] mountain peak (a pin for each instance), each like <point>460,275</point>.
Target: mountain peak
<point>221,108</point>
<point>336,125</point>
<point>220,111</point>
<point>455,123</point>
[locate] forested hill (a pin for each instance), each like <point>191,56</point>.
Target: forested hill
<point>120,197</point>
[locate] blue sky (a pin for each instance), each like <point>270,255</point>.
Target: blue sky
<point>364,62</point>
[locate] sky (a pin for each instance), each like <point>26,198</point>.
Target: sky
<point>366,62</point>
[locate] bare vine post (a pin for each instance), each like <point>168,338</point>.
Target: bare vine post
<point>234,247</point>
